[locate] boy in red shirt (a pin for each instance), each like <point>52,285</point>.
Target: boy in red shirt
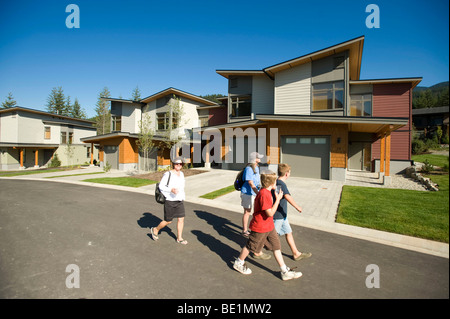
<point>263,231</point>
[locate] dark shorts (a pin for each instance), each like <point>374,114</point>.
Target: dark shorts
<point>256,241</point>
<point>173,209</point>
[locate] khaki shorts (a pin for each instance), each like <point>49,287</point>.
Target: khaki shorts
<point>247,201</point>
<point>256,241</point>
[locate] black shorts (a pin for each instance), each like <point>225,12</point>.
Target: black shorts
<point>173,209</point>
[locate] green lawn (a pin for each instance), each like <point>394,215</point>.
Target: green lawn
<point>32,172</point>
<point>413,213</point>
<point>122,181</point>
<point>435,160</point>
<point>219,192</point>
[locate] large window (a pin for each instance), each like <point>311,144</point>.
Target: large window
<point>241,105</point>
<point>163,121</point>
<point>361,105</point>
<point>328,96</point>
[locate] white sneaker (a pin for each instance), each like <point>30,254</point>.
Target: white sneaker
<point>290,274</point>
<point>242,268</point>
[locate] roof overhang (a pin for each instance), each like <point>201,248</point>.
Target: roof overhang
<point>414,81</point>
<point>29,145</point>
<point>355,124</point>
<point>354,46</point>
<point>179,93</point>
<point>228,73</point>
<point>375,125</point>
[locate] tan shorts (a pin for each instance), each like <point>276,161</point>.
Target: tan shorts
<point>256,241</point>
<point>247,201</point>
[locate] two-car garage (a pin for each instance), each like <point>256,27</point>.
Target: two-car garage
<point>308,156</point>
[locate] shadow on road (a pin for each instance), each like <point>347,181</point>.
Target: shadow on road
<point>231,231</point>
<point>149,220</point>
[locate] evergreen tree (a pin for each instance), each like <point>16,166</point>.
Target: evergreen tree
<point>76,111</point>
<point>103,118</point>
<point>56,102</point>
<point>136,94</point>
<point>9,102</point>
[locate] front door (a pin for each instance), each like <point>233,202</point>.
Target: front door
<point>359,156</point>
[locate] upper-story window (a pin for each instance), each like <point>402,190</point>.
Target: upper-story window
<point>328,96</point>
<point>241,105</point>
<point>164,120</point>
<point>361,105</point>
<point>47,133</point>
<point>116,123</point>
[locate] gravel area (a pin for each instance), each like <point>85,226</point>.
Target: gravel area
<point>368,179</point>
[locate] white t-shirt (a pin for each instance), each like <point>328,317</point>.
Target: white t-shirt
<point>175,182</point>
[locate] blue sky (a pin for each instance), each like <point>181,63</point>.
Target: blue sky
<point>161,44</point>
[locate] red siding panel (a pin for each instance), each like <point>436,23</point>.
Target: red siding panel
<point>394,100</point>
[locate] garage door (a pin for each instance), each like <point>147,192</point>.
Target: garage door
<point>308,156</point>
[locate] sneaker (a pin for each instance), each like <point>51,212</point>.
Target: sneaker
<point>303,256</point>
<point>154,237</point>
<point>290,274</point>
<point>263,256</point>
<point>242,268</point>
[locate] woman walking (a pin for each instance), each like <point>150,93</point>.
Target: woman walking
<point>172,187</point>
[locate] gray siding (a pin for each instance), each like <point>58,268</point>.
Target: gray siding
<point>293,90</point>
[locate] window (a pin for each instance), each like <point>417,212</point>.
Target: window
<point>63,138</point>
<point>116,123</point>
<point>305,140</point>
<point>361,105</point>
<point>70,138</point>
<point>47,133</point>
<point>163,121</point>
<point>328,96</point>
<point>291,140</point>
<point>204,120</point>
<point>320,140</point>
<point>241,105</point>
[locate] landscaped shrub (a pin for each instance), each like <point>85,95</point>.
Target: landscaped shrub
<point>55,162</point>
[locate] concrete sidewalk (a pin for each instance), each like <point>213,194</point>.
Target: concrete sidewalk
<point>319,200</point>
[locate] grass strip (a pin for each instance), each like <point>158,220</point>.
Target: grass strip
<point>219,192</point>
<point>121,181</point>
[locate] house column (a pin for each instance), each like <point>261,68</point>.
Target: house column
<point>36,158</point>
<point>382,153</point>
<point>21,150</point>
<point>92,154</point>
<point>388,153</point>
<point>207,163</point>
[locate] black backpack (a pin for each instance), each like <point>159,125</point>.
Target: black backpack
<point>159,197</point>
<point>239,182</point>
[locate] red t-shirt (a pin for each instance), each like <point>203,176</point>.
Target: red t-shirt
<point>261,223</point>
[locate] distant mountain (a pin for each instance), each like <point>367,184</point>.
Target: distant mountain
<point>433,96</point>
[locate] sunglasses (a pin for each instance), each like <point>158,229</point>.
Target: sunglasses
<point>178,164</point>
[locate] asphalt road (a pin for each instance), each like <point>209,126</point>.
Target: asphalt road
<point>47,226</point>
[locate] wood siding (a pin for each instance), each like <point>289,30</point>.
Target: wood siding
<point>394,100</point>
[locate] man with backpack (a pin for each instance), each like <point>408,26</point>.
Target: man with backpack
<point>251,186</point>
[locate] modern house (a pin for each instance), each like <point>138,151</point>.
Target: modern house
<point>30,138</point>
<point>120,148</point>
<point>428,119</point>
<point>326,118</point>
